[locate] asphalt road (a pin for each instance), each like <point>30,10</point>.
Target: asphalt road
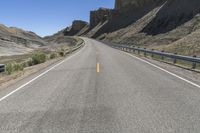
<point>101,90</point>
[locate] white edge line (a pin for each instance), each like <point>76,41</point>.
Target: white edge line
<point>32,80</point>
<point>162,69</point>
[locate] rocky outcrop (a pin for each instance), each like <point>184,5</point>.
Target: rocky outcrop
<point>148,23</point>
<point>120,4</point>
<point>76,27</point>
<point>125,13</point>
<point>171,25</point>
<point>172,15</point>
<point>100,15</point>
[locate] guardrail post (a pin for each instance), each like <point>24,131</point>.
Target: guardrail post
<point>152,55</point>
<point>133,49</point>
<point>128,49</point>
<point>162,55</point>
<point>175,60</point>
<point>173,57</point>
<point>194,64</point>
<point>138,51</point>
<point>145,53</point>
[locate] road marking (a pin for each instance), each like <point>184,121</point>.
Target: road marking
<point>162,69</point>
<point>32,80</point>
<point>98,67</point>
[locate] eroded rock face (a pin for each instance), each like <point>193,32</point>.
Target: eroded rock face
<point>100,15</point>
<point>77,25</point>
<point>125,13</point>
<point>119,4</point>
<point>122,3</point>
<point>173,14</point>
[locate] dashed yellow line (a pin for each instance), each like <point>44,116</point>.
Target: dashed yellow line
<point>98,68</point>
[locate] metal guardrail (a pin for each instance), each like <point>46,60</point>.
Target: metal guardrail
<point>2,68</point>
<point>194,60</point>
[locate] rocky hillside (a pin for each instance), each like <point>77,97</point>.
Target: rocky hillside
<point>170,25</point>
<point>17,41</point>
<point>77,28</point>
<point>173,14</point>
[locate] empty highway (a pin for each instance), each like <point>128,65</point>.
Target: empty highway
<point>100,90</point>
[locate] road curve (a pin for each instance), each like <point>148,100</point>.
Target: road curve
<point>101,90</point>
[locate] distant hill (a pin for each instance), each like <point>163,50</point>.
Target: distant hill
<point>77,28</point>
<point>17,41</point>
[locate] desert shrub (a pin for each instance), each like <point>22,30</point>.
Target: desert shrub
<point>30,62</point>
<point>9,68</point>
<point>14,67</point>
<point>25,64</point>
<point>18,67</point>
<point>62,53</point>
<point>38,58</point>
<point>53,55</point>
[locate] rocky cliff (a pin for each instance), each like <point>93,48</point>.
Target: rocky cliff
<point>172,15</point>
<point>125,13</point>
<point>159,24</point>
<point>99,16</point>
<point>171,25</point>
<point>76,27</point>
<point>119,4</point>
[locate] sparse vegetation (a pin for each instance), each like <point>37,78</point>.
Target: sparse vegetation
<point>9,68</point>
<point>17,63</point>
<point>38,58</point>
<point>14,67</point>
<point>53,55</point>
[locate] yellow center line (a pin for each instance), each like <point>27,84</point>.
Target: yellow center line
<point>98,67</point>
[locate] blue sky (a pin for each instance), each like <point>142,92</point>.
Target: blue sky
<point>46,17</point>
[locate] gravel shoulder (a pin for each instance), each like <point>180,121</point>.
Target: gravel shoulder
<point>193,76</point>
